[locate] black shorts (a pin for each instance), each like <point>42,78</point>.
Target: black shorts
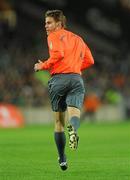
<point>66,90</point>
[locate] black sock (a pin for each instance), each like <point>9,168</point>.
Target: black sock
<point>75,122</point>
<point>60,141</point>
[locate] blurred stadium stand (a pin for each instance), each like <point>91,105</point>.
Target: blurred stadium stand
<point>103,24</point>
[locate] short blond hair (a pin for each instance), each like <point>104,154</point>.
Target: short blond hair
<point>57,15</point>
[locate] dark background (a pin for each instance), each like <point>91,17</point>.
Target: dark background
<point>105,27</point>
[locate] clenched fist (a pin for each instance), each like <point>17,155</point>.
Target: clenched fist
<point>38,66</point>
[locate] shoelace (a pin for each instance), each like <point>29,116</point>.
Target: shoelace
<point>63,164</point>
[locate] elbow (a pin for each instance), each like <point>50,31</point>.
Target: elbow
<point>93,62</point>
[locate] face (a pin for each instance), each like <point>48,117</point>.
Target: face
<point>51,25</point>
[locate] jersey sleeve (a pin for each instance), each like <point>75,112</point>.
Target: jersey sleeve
<point>56,51</point>
<point>87,60</point>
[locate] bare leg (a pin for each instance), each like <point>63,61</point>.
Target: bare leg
<point>74,117</point>
<point>59,121</point>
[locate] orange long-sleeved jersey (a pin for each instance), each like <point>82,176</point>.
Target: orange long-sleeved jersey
<point>68,53</point>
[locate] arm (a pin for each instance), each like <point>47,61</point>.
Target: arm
<point>56,54</point>
<point>87,60</point>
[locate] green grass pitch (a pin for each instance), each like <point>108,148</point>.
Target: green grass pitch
<point>30,154</point>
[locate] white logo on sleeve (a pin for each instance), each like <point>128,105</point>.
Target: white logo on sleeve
<point>50,45</point>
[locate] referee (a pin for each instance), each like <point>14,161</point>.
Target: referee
<point>69,55</point>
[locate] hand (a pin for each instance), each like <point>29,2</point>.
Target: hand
<point>38,66</point>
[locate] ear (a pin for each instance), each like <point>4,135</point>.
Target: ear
<point>59,24</point>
